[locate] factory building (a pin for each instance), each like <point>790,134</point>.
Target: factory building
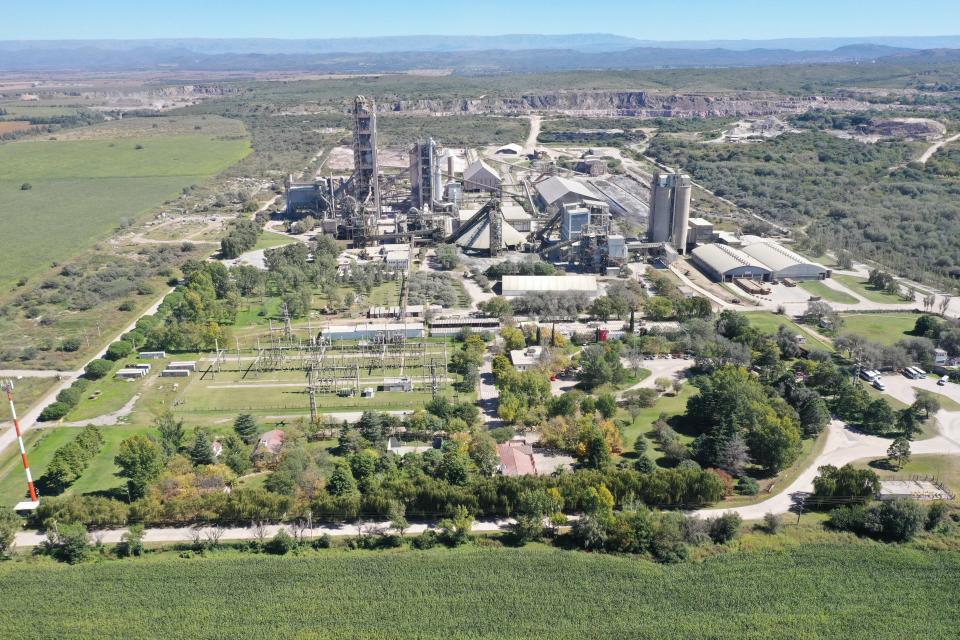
<point>784,263</point>
<point>480,176</point>
<point>522,285</point>
<point>398,260</point>
<point>554,192</point>
<point>453,326</point>
<point>670,209</point>
<point>513,214</point>
<point>573,219</point>
<point>724,264</point>
<point>699,231</point>
<point>373,330</point>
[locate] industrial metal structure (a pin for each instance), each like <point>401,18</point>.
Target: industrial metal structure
<point>366,173</point>
<point>670,209</point>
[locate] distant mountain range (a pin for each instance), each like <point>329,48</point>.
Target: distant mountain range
<point>461,54</point>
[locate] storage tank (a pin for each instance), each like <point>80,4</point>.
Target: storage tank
<point>660,208</point>
<point>682,186</point>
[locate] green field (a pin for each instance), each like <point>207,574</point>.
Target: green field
<point>669,404</point>
<point>817,288</point>
<point>848,591</point>
<point>82,189</point>
<point>886,328</point>
<point>41,445</point>
<point>271,239</point>
<point>860,285</point>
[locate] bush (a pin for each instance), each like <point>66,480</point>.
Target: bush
<point>772,523</point>
<point>936,513</point>
<point>643,464</point>
<point>644,397</point>
<point>70,396</point>
<point>426,540</point>
<point>131,543</point>
<point>54,411</point>
<point>97,369</point>
<point>70,345</point>
<point>280,544</point>
<point>896,520</point>
<point>323,542</point>
<point>725,528</point>
<point>747,486</point>
<point>68,542</point>
<point>118,350</point>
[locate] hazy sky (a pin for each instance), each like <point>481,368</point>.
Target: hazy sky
<point>661,20</point>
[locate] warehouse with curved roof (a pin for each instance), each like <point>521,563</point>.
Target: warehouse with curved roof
<point>784,263</point>
<point>725,263</point>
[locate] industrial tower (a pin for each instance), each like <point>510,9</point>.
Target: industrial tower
<point>366,170</point>
<point>670,209</point>
<point>425,174</point>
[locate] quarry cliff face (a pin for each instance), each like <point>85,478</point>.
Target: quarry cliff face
<point>621,103</point>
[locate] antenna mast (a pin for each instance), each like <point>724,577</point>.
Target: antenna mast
<point>8,387</point>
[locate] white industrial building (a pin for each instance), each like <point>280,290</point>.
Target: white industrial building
<point>522,285</point>
<point>526,359</point>
<point>556,192</point>
<point>480,176</point>
<point>784,263</point>
<point>724,263</point>
<point>370,330</point>
<point>398,259</point>
<point>512,149</point>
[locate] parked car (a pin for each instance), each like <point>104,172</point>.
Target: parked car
<point>942,382</point>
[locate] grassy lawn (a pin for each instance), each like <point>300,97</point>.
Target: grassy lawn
<point>944,468</point>
<point>270,239</point>
<point>113,393</point>
<point>81,189</point>
<point>101,474</point>
<point>40,445</point>
<point>769,322</point>
<point>817,288</point>
<point>669,404</point>
<point>860,285</point>
<point>836,589</point>
<point>885,328</point>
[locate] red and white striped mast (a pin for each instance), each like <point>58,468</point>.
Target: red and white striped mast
<point>8,387</point>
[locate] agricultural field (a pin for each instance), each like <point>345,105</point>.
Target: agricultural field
<point>817,288</point>
<point>839,590</point>
<point>885,328</point>
<point>82,187</point>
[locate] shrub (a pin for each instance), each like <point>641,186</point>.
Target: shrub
<point>118,350</point>
<point>747,486</point>
<point>70,345</point>
<point>54,411</point>
<point>131,543</point>
<point>97,369</point>
<point>426,540</point>
<point>280,544</point>
<point>725,528</point>
<point>68,542</point>
<point>323,542</point>
<point>772,523</point>
<point>936,513</point>
<point>896,520</point>
<point>9,525</point>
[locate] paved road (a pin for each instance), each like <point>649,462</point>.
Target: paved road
<point>32,538</point>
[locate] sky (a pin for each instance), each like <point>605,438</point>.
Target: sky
<point>660,20</point>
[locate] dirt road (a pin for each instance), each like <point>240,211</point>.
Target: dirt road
<point>932,149</point>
